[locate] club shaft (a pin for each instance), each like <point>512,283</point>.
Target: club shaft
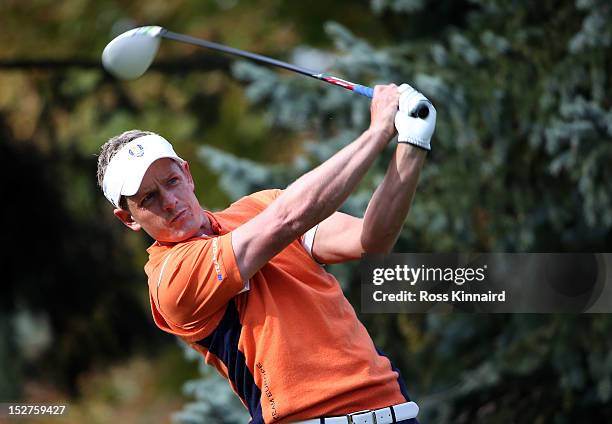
<point>236,52</point>
<point>421,110</point>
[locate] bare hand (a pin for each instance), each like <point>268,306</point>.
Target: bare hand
<point>383,109</point>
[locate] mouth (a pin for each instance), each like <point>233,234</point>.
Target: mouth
<point>178,216</point>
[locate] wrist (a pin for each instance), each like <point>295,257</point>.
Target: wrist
<point>408,150</point>
<point>381,134</point>
<point>409,161</point>
<point>424,145</point>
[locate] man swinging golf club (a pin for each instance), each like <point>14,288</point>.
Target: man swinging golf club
<point>246,286</point>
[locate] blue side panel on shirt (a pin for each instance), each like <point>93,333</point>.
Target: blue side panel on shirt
<point>223,343</point>
<point>402,386</point>
<point>400,380</point>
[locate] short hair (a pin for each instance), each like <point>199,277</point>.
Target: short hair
<point>110,148</point>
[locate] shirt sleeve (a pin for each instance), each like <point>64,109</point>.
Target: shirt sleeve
<point>197,280</point>
<point>267,196</point>
<point>307,239</point>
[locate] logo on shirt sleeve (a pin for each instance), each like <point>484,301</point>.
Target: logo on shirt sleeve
<point>215,253</point>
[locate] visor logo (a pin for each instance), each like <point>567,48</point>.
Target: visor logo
<point>136,151</point>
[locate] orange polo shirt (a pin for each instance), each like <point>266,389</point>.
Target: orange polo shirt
<point>290,345</point>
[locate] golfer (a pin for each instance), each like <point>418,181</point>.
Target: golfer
<point>246,287</point>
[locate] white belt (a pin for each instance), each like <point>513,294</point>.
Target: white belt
<point>403,411</point>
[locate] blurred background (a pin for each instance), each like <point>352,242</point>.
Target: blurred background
<point>524,133</point>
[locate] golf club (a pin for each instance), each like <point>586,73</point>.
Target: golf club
<point>130,54</point>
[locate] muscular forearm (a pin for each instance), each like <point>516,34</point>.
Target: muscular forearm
<point>391,201</point>
<point>320,192</point>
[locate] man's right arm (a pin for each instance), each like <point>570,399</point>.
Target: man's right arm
<point>317,194</point>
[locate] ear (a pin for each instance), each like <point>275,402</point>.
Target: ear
<point>125,217</point>
<point>185,167</point>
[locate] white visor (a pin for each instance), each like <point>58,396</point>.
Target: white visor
<point>128,166</point>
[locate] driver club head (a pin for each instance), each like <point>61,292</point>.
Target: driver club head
<point>130,54</point>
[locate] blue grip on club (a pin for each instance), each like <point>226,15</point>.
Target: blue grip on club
<point>421,111</point>
<point>363,90</point>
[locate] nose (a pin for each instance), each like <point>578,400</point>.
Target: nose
<point>168,200</point>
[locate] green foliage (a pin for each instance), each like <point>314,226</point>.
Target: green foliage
<point>10,383</point>
<point>378,6</point>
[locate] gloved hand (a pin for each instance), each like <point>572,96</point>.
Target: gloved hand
<point>415,131</point>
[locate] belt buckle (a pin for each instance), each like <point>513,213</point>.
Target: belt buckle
<point>351,415</point>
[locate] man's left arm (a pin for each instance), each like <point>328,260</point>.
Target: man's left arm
<point>342,237</point>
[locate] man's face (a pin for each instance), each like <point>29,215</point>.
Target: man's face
<point>165,205</point>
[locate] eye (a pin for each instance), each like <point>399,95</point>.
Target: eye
<point>147,198</point>
<point>173,180</point>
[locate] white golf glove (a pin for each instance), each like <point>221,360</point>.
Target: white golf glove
<point>411,130</point>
